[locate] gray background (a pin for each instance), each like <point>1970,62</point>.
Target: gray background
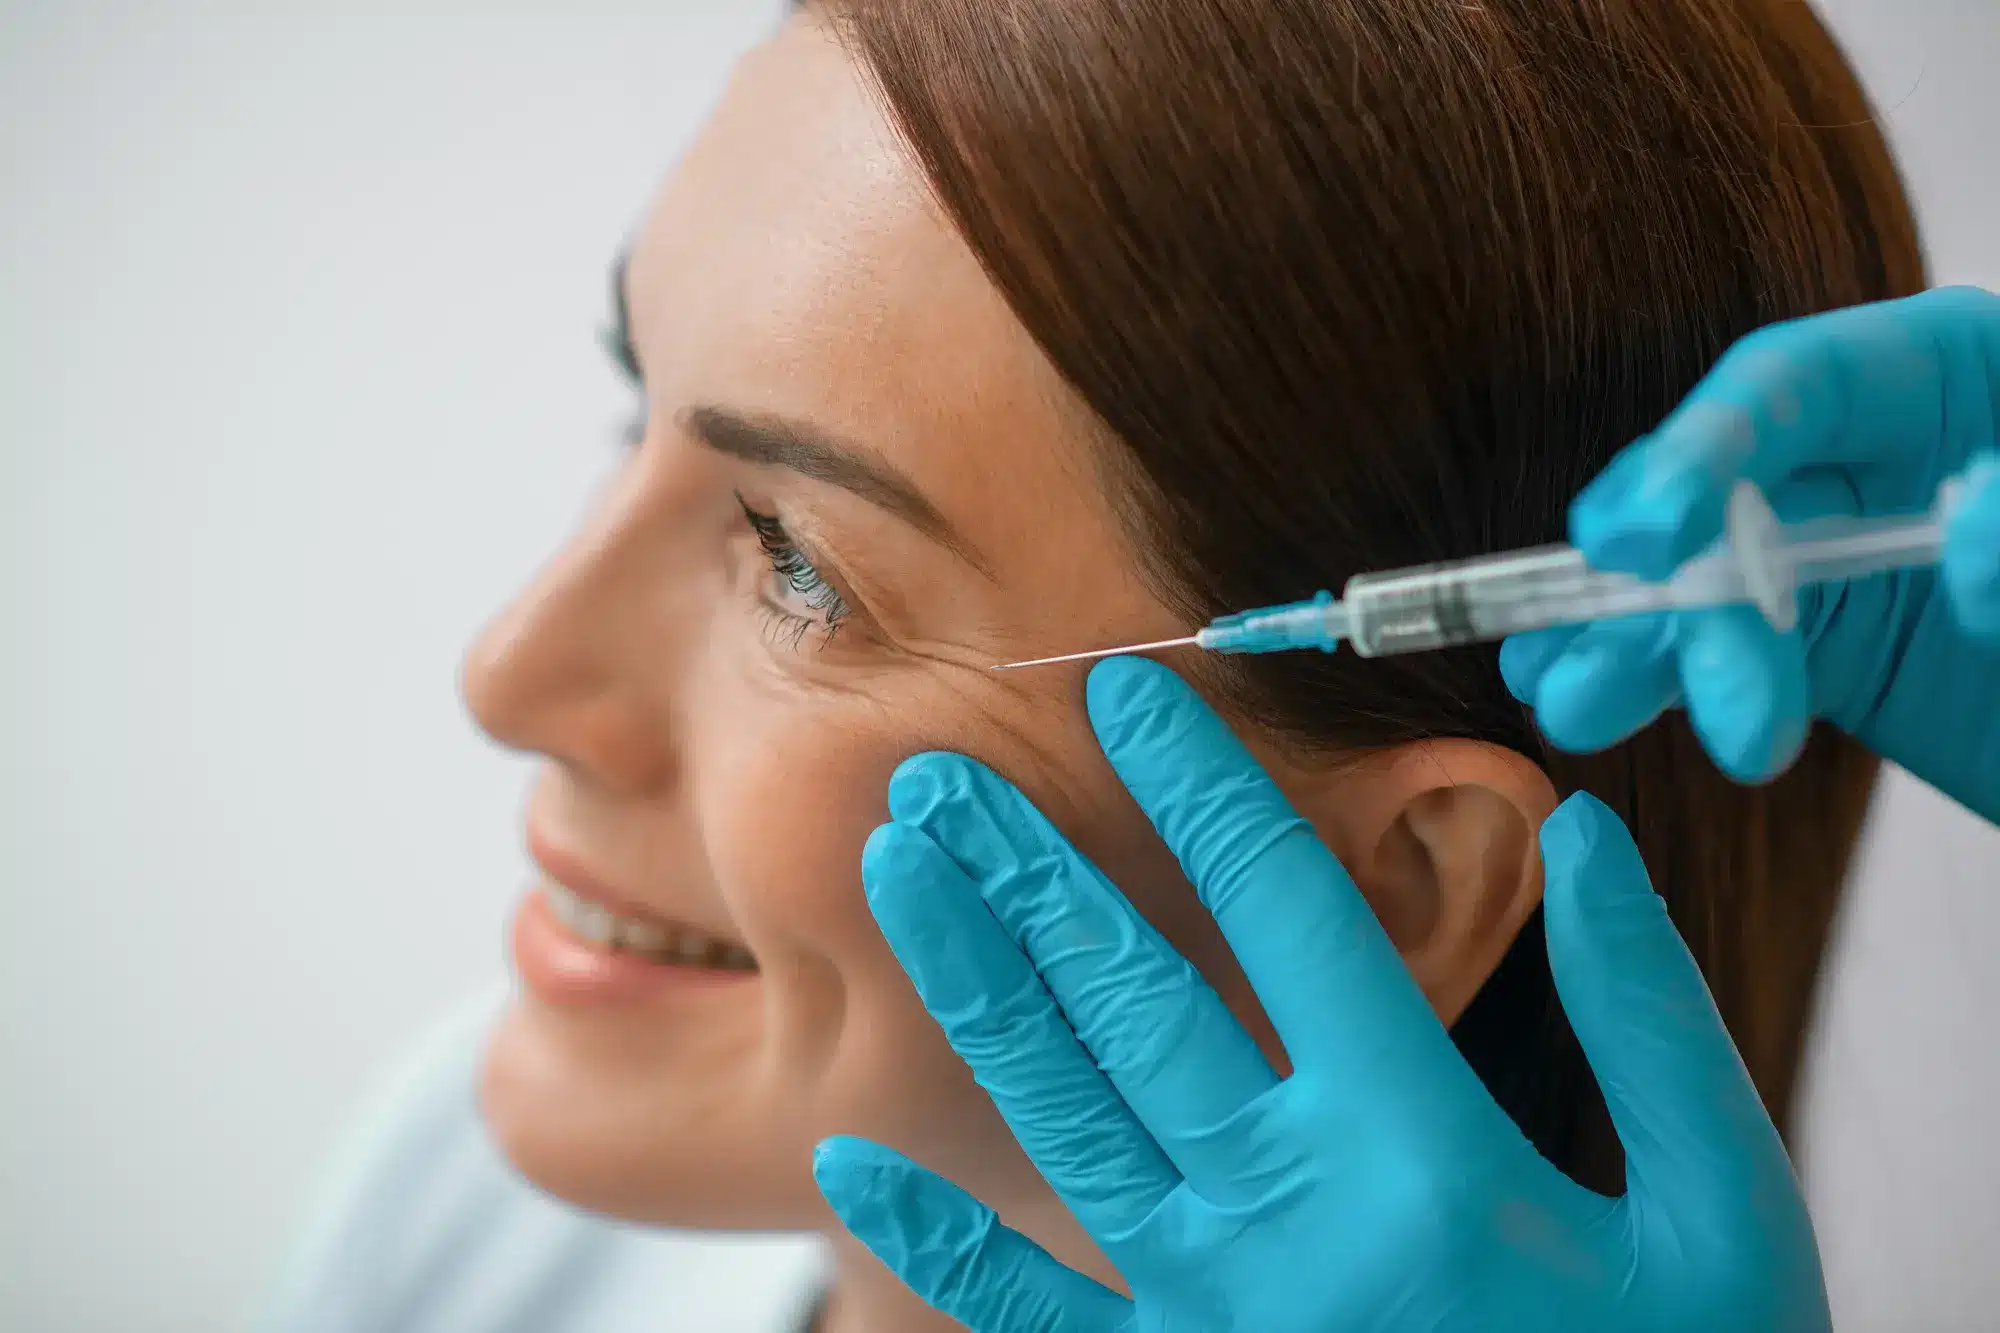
<point>297,382</point>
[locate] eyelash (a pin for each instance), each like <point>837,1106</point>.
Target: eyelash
<point>616,338</point>
<point>790,564</point>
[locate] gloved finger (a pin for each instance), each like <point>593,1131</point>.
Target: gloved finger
<point>951,1250</point>
<point>1746,689</point>
<point>1524,657</point>
<point>1164,1038</point>
<point>1616,676</point>
<point>1003,1022</point>
<point>1697,1139</point>
<point>1972,551</point>
<point>1320,962</point>
<point>1611,680</point>
<point>1860,386</point>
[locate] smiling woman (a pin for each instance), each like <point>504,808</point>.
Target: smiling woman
<point>972,330</point>
<point>857,488</point>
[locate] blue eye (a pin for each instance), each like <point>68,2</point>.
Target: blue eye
<point>804,600</point>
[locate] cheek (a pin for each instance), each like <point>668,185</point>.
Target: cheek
<point>795,799</point>
<point>788,784</point>
<point>786,797</point>
<point>789,775</point>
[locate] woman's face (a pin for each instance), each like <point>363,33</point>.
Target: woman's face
<point>833,385</point>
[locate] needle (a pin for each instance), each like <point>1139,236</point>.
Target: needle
<point>1101,652</point>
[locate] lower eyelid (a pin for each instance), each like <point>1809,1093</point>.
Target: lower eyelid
<point>792,628</point>
<point>782,620</point>
<point>852,618</point>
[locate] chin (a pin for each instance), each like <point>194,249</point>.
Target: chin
<point>583,1121</point>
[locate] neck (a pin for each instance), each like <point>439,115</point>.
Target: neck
<point>868,1298</point>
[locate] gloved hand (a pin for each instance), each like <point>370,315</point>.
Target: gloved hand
<point>1863,410</point>
<point>1378,1186</point>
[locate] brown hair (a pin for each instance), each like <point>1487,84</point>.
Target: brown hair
<point>1363,283</point>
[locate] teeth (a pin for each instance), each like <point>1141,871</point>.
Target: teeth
<point>594,923</point>
<point>606,929</point>
<point>566,904</point>
<point>641,937</point>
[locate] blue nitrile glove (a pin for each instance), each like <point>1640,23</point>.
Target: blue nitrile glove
<point>1376,1187</point>
<point>1864,410</point>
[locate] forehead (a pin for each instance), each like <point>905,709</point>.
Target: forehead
<point>795,263</point>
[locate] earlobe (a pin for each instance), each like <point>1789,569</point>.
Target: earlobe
<point>1441,838</point>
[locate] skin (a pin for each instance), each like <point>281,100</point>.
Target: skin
<point>722,770</point>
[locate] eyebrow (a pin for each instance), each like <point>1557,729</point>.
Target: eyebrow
<point>773,441</point>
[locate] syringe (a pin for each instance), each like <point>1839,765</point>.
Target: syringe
<point>1759,561</point>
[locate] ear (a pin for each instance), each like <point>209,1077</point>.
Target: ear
<point>1441,838</point>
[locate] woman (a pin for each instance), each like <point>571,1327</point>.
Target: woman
<point>972,331</point>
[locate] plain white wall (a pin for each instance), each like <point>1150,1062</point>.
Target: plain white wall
<point>297,382</point>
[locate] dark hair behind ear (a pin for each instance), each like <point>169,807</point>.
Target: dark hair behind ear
<point>1359,285</point>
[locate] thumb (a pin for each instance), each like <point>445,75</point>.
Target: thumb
<point>952,1250</point>
<point>1698,1143</point>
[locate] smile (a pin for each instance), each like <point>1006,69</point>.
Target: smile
<point>650,940</point>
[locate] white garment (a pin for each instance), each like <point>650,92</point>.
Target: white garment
<point>422,1227</point>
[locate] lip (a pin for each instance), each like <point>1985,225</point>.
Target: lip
<point>562,967</point>
<point>570,872</point>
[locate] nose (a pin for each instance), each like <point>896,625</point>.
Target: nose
<point>576,667</point>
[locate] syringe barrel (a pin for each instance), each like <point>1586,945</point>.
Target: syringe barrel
<point>1758,562</point>
<point>1486,599</point>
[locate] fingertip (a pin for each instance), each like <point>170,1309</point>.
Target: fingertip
<point>1608,930</point>
<point>1159,734</point>
<point>878,856</point>
<point>1571,830</point>
<point>1748,694</point>
<point>1565,706</point>
<point>950,1249</point>
<point>929,912</point>
<point>1525,657</point>
<point>924,780</point>
<point>1612,680</point>
<point>1123,693</point>
<point>1646,512</point>
<point>856,1178</point>
<point>895,1207</point>
<point>1117,682</point>
<point>1595,894</point>
<point>839,1159</point>
<point>1586,847</point>
<point>896,853</point>
<point>940,767</point>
